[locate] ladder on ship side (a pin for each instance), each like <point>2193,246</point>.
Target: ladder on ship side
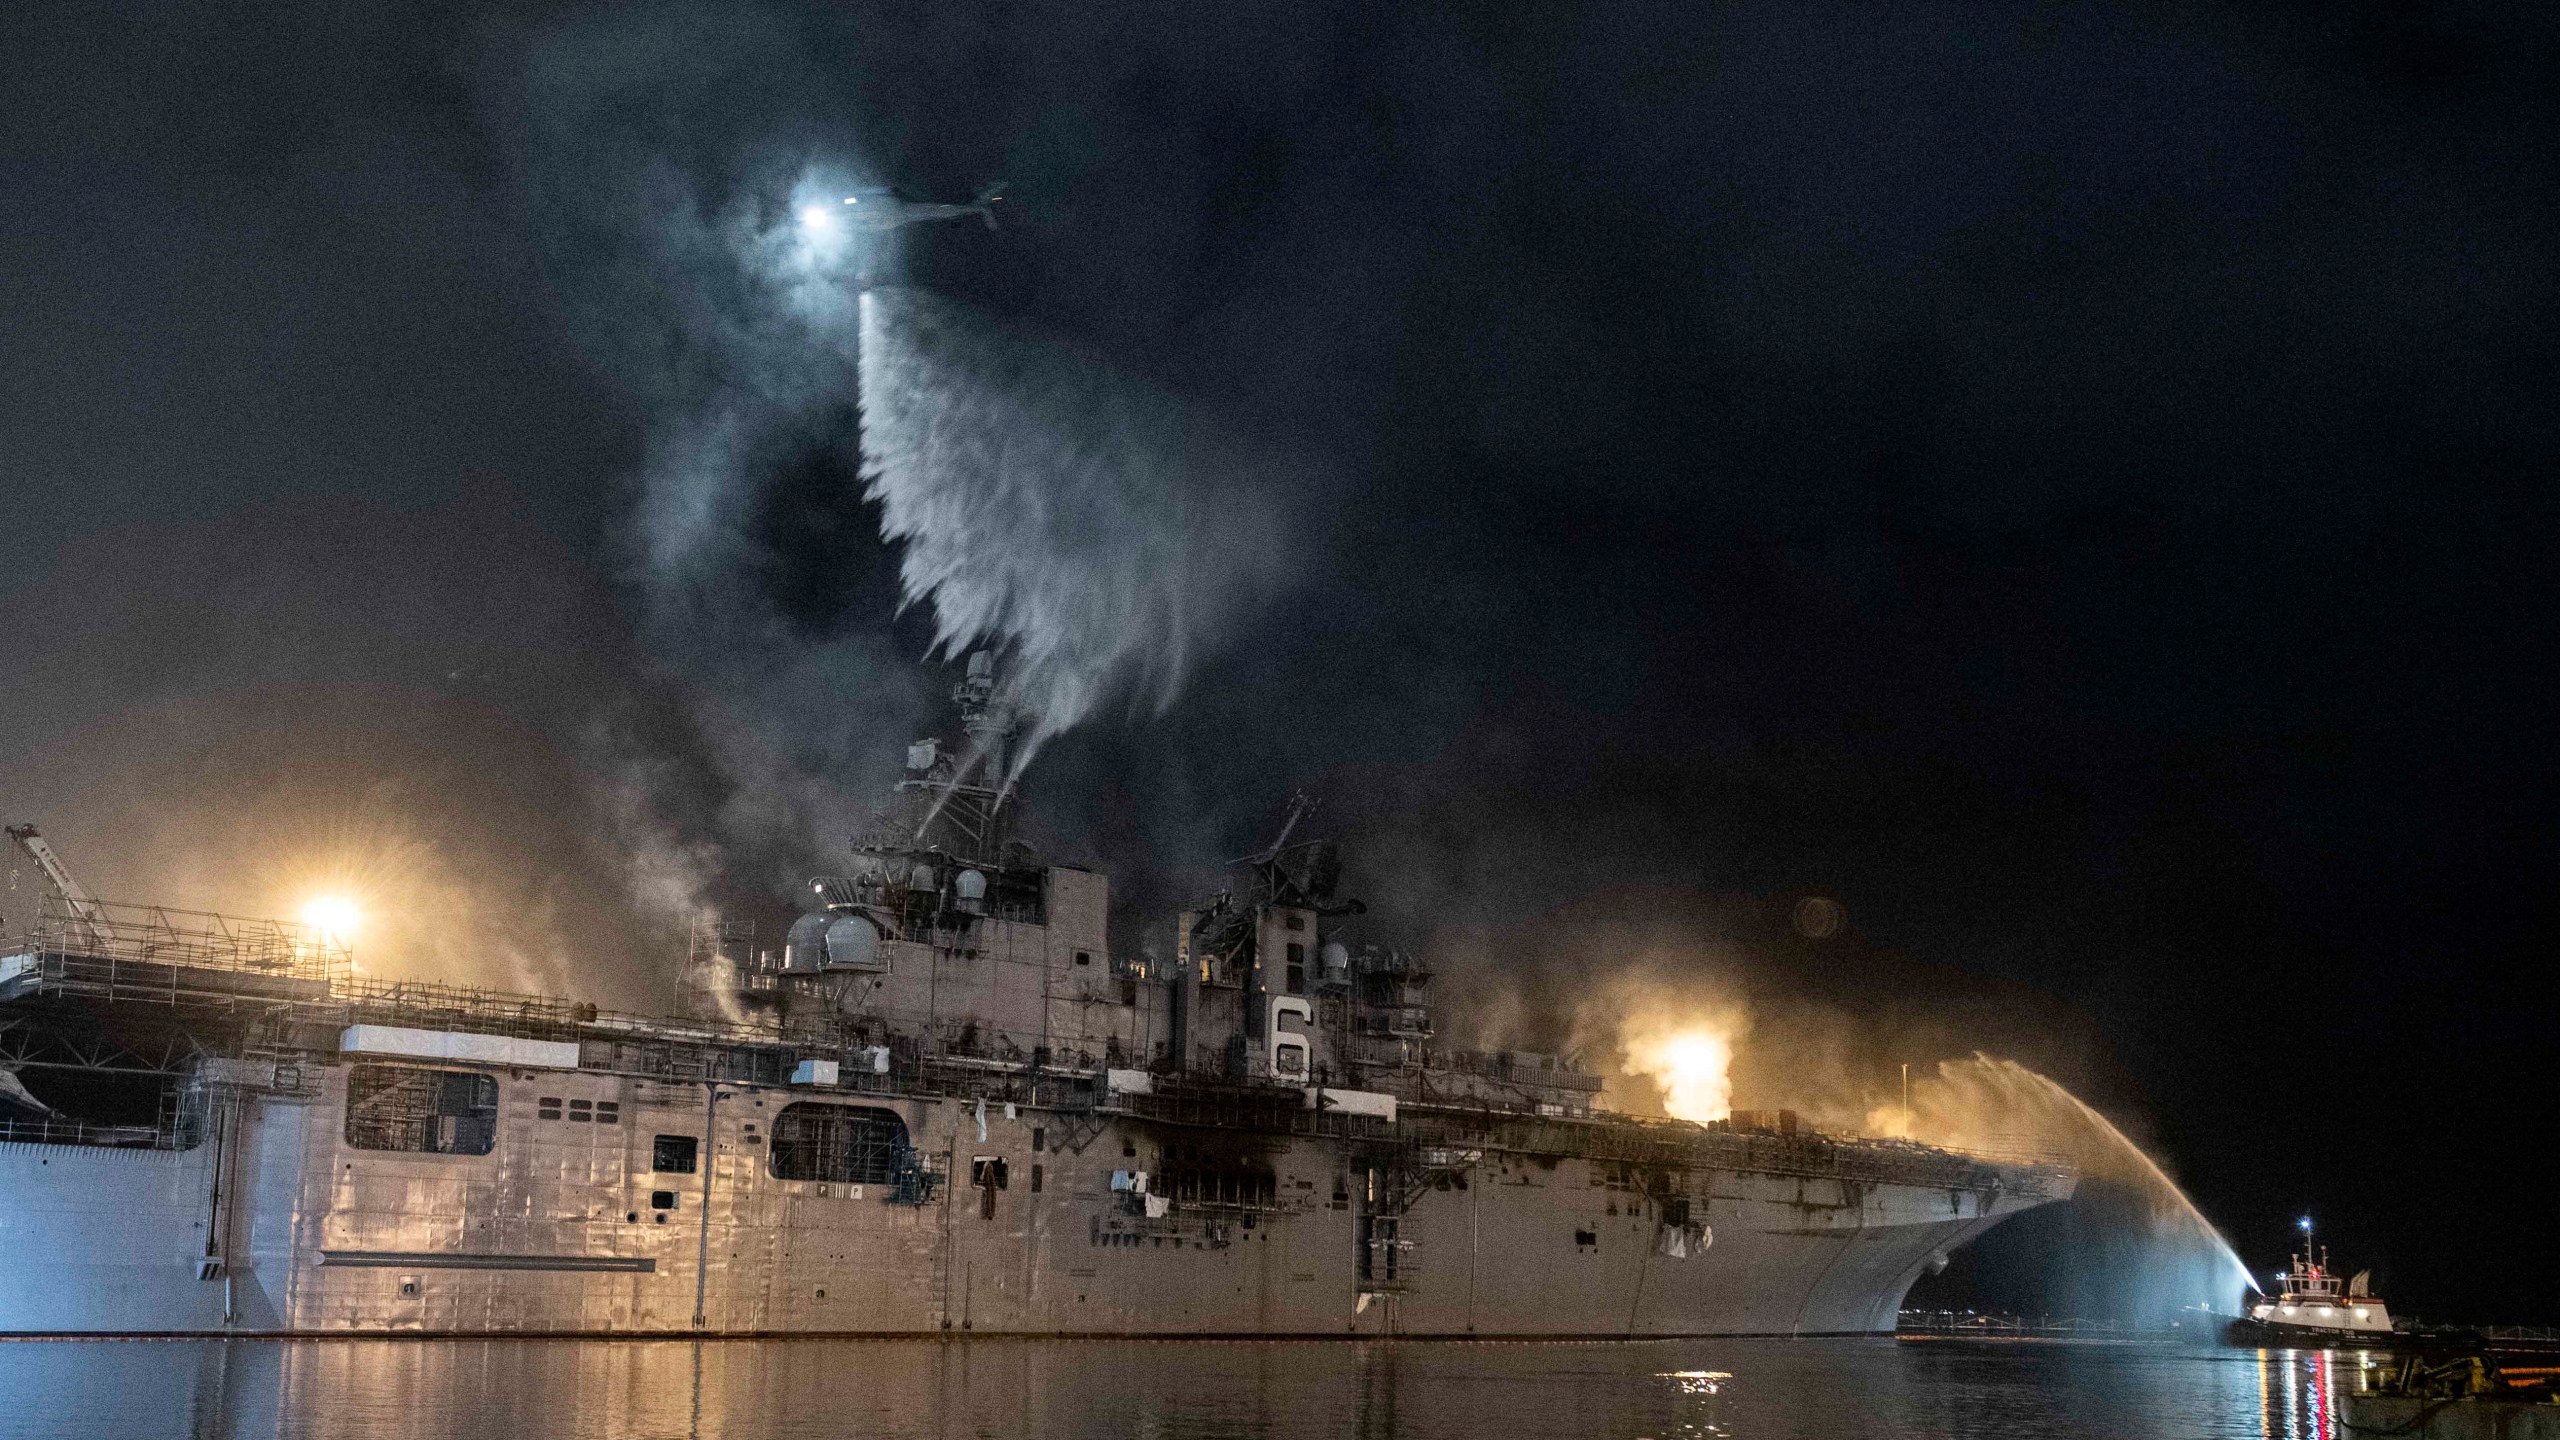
<point>1392,1179</point>
<point>1386,1256</point>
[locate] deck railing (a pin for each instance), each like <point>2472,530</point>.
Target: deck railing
<point>54,1130</point>
<point>116,932</point>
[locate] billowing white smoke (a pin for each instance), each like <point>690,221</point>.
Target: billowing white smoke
<point>756,334</point>
<point>739,341</point>
<point>1051,505</point>
<point>1685,1047</point>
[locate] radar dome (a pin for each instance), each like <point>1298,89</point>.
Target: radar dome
<point>853,943</point>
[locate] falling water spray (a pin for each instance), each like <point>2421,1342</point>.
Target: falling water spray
<point>1078,518</point>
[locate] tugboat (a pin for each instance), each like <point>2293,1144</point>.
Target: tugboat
<point>2316,1307</point>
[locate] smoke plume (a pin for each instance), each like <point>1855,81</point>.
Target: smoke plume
<point>1679,1042</point>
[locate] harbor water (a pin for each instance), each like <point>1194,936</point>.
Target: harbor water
<point>1164,1390</point>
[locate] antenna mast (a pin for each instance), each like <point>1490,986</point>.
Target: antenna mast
<point>960,803</point>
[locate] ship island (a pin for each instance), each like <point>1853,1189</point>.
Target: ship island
<point>950,1101</point>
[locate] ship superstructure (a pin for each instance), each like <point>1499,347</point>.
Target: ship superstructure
<point>945,1102</point>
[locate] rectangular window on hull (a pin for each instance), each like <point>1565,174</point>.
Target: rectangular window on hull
<point>843,1144</point>
<point>673,1154</point>
<point>987,1172</point>
<point>1297,968</point>
<point>1187,1180</point>
<point>417,1111</point>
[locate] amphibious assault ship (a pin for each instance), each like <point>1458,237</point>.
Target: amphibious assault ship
<point>946,1102</point>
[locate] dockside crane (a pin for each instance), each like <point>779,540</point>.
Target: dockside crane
<point>88,919</point>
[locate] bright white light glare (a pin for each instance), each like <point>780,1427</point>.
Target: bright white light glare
<point>818,218</point>
<point>1692,1064</point>
<point>334,916</point>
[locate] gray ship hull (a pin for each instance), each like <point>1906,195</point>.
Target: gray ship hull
<point>272,1223</point>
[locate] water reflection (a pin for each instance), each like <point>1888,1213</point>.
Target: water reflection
<point>2304,1383</point>
<point>1170,1390</point>
<point>1703,1385</point>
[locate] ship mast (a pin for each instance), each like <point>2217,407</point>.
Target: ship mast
<point>961,802</point>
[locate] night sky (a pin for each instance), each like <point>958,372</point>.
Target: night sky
<point>2073,484</point>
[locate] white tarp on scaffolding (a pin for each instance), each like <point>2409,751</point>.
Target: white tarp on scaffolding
<point>459,1045</point>
<point>1352,1102</point>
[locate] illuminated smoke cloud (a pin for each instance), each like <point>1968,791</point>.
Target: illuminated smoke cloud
<point>1668,1036</point>
<point>736,331</point>
<point>755,334</point>
<point>1688,1055</point>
